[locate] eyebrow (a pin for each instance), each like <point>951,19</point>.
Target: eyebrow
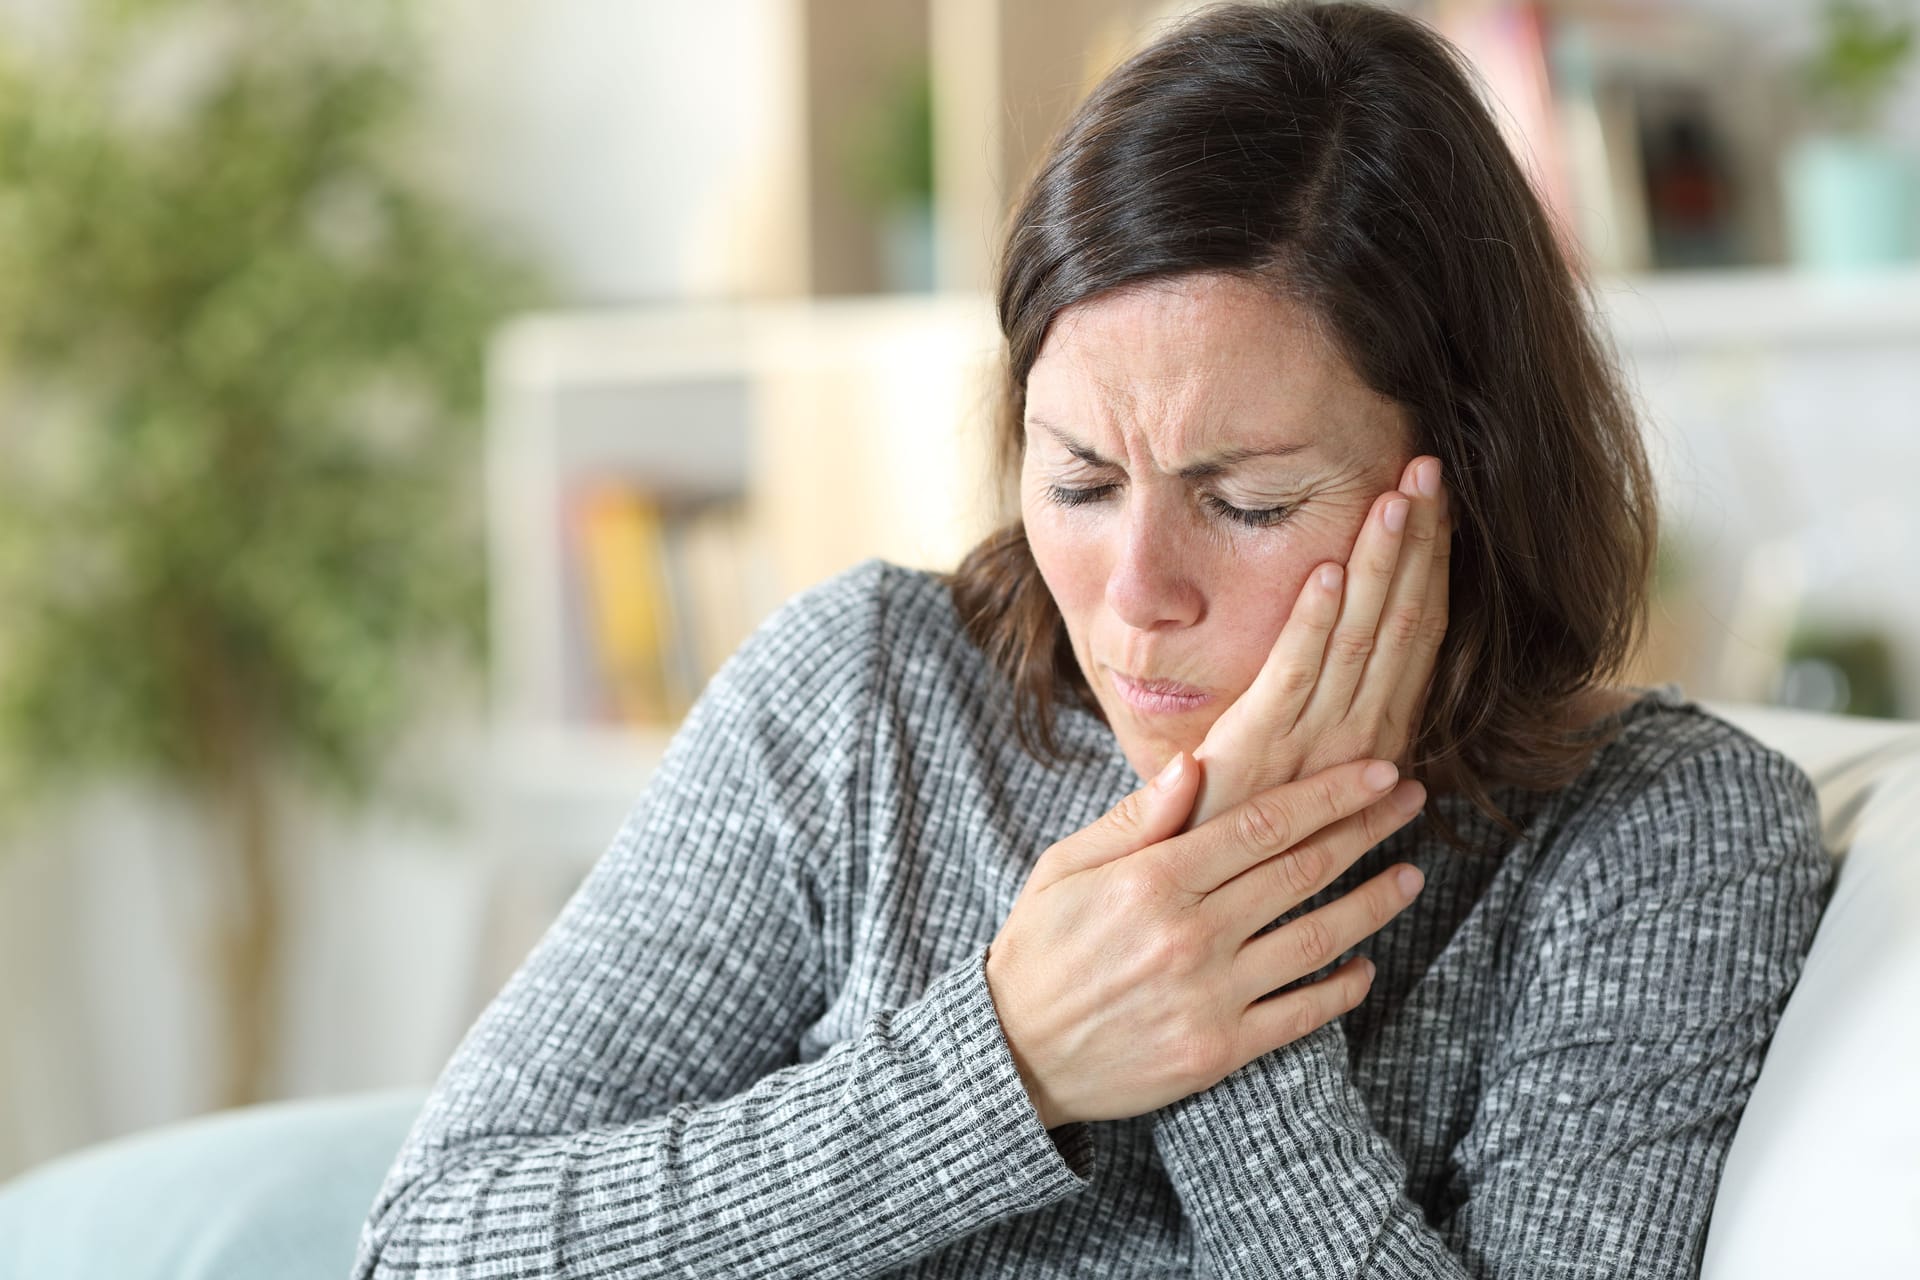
<point>1213,465</point>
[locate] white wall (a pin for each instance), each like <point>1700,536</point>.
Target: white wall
<point>643,149</point>
<point>108,1019</point>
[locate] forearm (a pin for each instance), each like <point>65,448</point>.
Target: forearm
<point>885,1149</point>
<point>1280,1172</point>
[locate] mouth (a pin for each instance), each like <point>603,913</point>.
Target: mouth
<point>1158,696</point>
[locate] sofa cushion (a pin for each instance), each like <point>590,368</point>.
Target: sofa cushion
<point>278,1190</point>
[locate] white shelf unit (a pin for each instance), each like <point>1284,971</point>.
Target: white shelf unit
<point>1775,307</point>
<point>850,428</point>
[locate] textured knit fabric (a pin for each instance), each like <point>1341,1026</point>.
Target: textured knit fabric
<point>759,1039</point>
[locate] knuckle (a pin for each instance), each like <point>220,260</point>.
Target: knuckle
<point>1404,627</point>
<point>1261,825</point>
<point>1329,797</point>
<point>1350,648</point>
<point>1302,1018</point>
<point>1061,854</point>
<point>1140,891</point>
<point>1176,951</point>
<point>1294,681</point>
<point>1129,813</point>
<point>1312,942</point>
<point>1303,868</point>
<point>1200,1052</point>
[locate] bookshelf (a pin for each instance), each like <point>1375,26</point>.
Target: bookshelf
<point>1668,312</point>
<point>827,432</point>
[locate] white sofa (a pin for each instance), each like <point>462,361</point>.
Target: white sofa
<point>1823,1178</point>
<point>1824,1175</point>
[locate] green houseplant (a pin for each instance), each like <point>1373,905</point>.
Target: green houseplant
<point>887,161</point>
<point>1853,195</point>
<point>240,369</point>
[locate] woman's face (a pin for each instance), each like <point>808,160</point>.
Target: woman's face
<point>1194,450</point>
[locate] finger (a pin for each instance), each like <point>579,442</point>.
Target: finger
<point>1144,817</point>
<point>1256,898</point>
<point>1293,1015</point>
<point>1416,678</point>
<point>1401,617</point>
<point>1272,703</point>
<point>1369,570</point>
<point>1292,669</point>
<point>1272,822</point>
<point>1317,939</point>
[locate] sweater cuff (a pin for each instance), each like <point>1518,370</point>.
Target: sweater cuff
<point>957,1030</point>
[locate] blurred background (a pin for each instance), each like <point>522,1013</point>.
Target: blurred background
<point>404,408</point>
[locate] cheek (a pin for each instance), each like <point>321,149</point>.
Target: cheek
<point>1252,598</point>
<point>1249,611</point>
<point>1072,560</point>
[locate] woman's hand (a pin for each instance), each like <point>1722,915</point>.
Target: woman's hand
<point>1126,975</point>
<point>1348,677</point>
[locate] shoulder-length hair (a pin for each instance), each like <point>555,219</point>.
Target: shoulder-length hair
<point>1339,152</point>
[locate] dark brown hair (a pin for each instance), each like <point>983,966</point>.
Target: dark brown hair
<point>1339,152</point>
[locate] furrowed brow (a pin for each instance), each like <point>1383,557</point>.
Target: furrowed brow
<point>1210,466</point>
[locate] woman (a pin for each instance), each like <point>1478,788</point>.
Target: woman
<point>898,966</point>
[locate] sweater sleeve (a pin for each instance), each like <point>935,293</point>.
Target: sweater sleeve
<point>632,1103</point>
<point>1640,1008</point>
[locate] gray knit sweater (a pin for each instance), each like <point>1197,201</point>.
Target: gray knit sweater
<point>759,1040</point>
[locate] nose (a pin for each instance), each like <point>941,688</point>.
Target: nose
<point>1152,584</point>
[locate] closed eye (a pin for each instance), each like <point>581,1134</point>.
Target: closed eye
<point>1254,517</point>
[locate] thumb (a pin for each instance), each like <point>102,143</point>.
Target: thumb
<point>1145,817</point>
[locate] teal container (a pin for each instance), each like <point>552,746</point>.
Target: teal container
<point>1852,202</point>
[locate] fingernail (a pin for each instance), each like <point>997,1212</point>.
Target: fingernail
<point>1380,774</point>
<point>1397,514</point>
<point>1366,967</point>
<point>1411,880</point>
<point>1330,577</point>
<point>1171,774</point>
<point>1427,479</point>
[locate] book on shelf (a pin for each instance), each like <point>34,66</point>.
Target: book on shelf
<point>1652,135</point>
<point>666,592</point>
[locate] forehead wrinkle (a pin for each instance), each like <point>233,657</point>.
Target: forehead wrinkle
<point>1192,408</point>
<point>1210,465</point>
<point>1189,403</point>
<point>1165,369</point>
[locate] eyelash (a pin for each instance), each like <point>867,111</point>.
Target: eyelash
<point>1259,518</point>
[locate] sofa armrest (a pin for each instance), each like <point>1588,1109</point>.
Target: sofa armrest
<point>1823,1177</point>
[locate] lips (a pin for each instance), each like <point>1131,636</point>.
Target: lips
<point>1172,688</point>
<point>1159,697</point>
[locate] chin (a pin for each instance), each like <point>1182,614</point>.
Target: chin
<point>1148,752</point>
<point>1149,740</point>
